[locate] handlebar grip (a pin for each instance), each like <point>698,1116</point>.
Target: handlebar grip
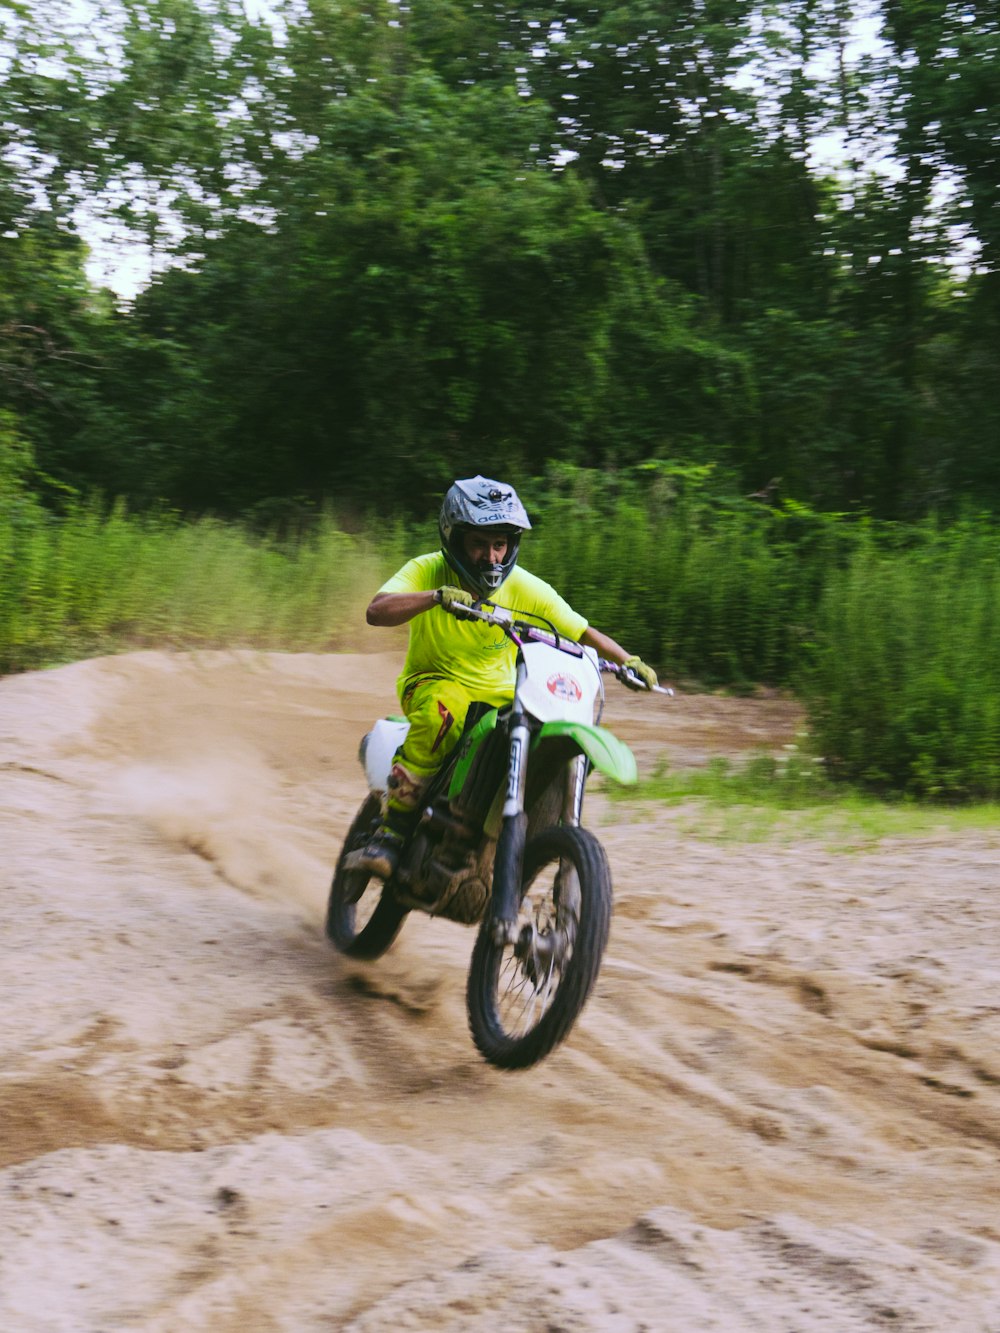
<point>626,676</point>
<point>641,684</point>
<point>457,609</point>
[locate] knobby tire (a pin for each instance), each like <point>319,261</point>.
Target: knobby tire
<point>376,934</point>
<point>495,976</point>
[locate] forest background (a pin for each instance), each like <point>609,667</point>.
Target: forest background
<point>716,282</point>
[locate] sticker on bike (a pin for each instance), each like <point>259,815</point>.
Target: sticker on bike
<point>565,687</point>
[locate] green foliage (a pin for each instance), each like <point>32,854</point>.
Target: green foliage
<point>891,633</point>
<point>395,330</point>
<point>16,461</point>
<point>787,798</point>
<point>98,579</point>
<point>947,57</point>
<point>902,683</point>
<point>660,556</point>
<point>392,243</point>
<point>792,780</point>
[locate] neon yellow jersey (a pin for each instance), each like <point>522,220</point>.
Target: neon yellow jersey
<point>478,656</point>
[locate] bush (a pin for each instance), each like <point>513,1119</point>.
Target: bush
<point>903,685</point>
<point>707,587</point>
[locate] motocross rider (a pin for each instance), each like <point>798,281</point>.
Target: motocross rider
<point>452,662</point>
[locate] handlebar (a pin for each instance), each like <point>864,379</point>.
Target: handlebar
<point>625,676</point>
<point>522,631</point>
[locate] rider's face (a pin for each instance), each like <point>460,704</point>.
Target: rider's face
<point>485,546</point>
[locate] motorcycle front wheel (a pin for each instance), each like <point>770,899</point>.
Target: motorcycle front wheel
<point>362,916</point>
<point>523,998</point>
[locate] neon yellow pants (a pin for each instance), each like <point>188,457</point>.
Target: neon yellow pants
<point>435,707</point>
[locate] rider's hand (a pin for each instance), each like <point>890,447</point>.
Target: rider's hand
<point>647,676</point>
<point>450,598</point>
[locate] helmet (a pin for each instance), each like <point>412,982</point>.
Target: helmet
<point>474,503</point>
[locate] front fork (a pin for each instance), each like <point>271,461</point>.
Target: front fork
<point>508,865</point>
<point>509,861</point>
<point>573,802</point>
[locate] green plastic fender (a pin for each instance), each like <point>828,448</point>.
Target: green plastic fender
<point>603,748</point>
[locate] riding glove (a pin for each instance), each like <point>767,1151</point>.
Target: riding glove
<point>449,597</point>
<point>646,674</point>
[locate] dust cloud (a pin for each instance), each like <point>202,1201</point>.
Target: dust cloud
<point>779,1111</point>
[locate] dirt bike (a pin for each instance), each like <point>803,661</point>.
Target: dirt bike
<point>499,843</point>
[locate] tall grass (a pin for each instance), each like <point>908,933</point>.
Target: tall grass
<point>788,798</point>
<point>891,634</point>
<point>98,579</point>
<point>722,595</point>
<point>903,681</point>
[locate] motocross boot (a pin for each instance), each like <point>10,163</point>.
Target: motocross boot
<point>380,856</point>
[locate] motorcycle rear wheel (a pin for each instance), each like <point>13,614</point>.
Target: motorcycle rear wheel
<point>362,916</point>
<point>523,999</point>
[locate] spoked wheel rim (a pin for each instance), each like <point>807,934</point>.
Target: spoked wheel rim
<point>530,972</point>
<point>525,992</point>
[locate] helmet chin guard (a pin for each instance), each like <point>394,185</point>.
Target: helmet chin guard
<point>480,503</point>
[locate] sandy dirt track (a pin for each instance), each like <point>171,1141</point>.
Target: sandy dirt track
<point>780,1110</point>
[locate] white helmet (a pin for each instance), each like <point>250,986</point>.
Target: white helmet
<point>478,502</point>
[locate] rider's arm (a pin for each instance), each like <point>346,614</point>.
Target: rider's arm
<point>639,676</point>
<point>606,646</point>
<point>396,608</point>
